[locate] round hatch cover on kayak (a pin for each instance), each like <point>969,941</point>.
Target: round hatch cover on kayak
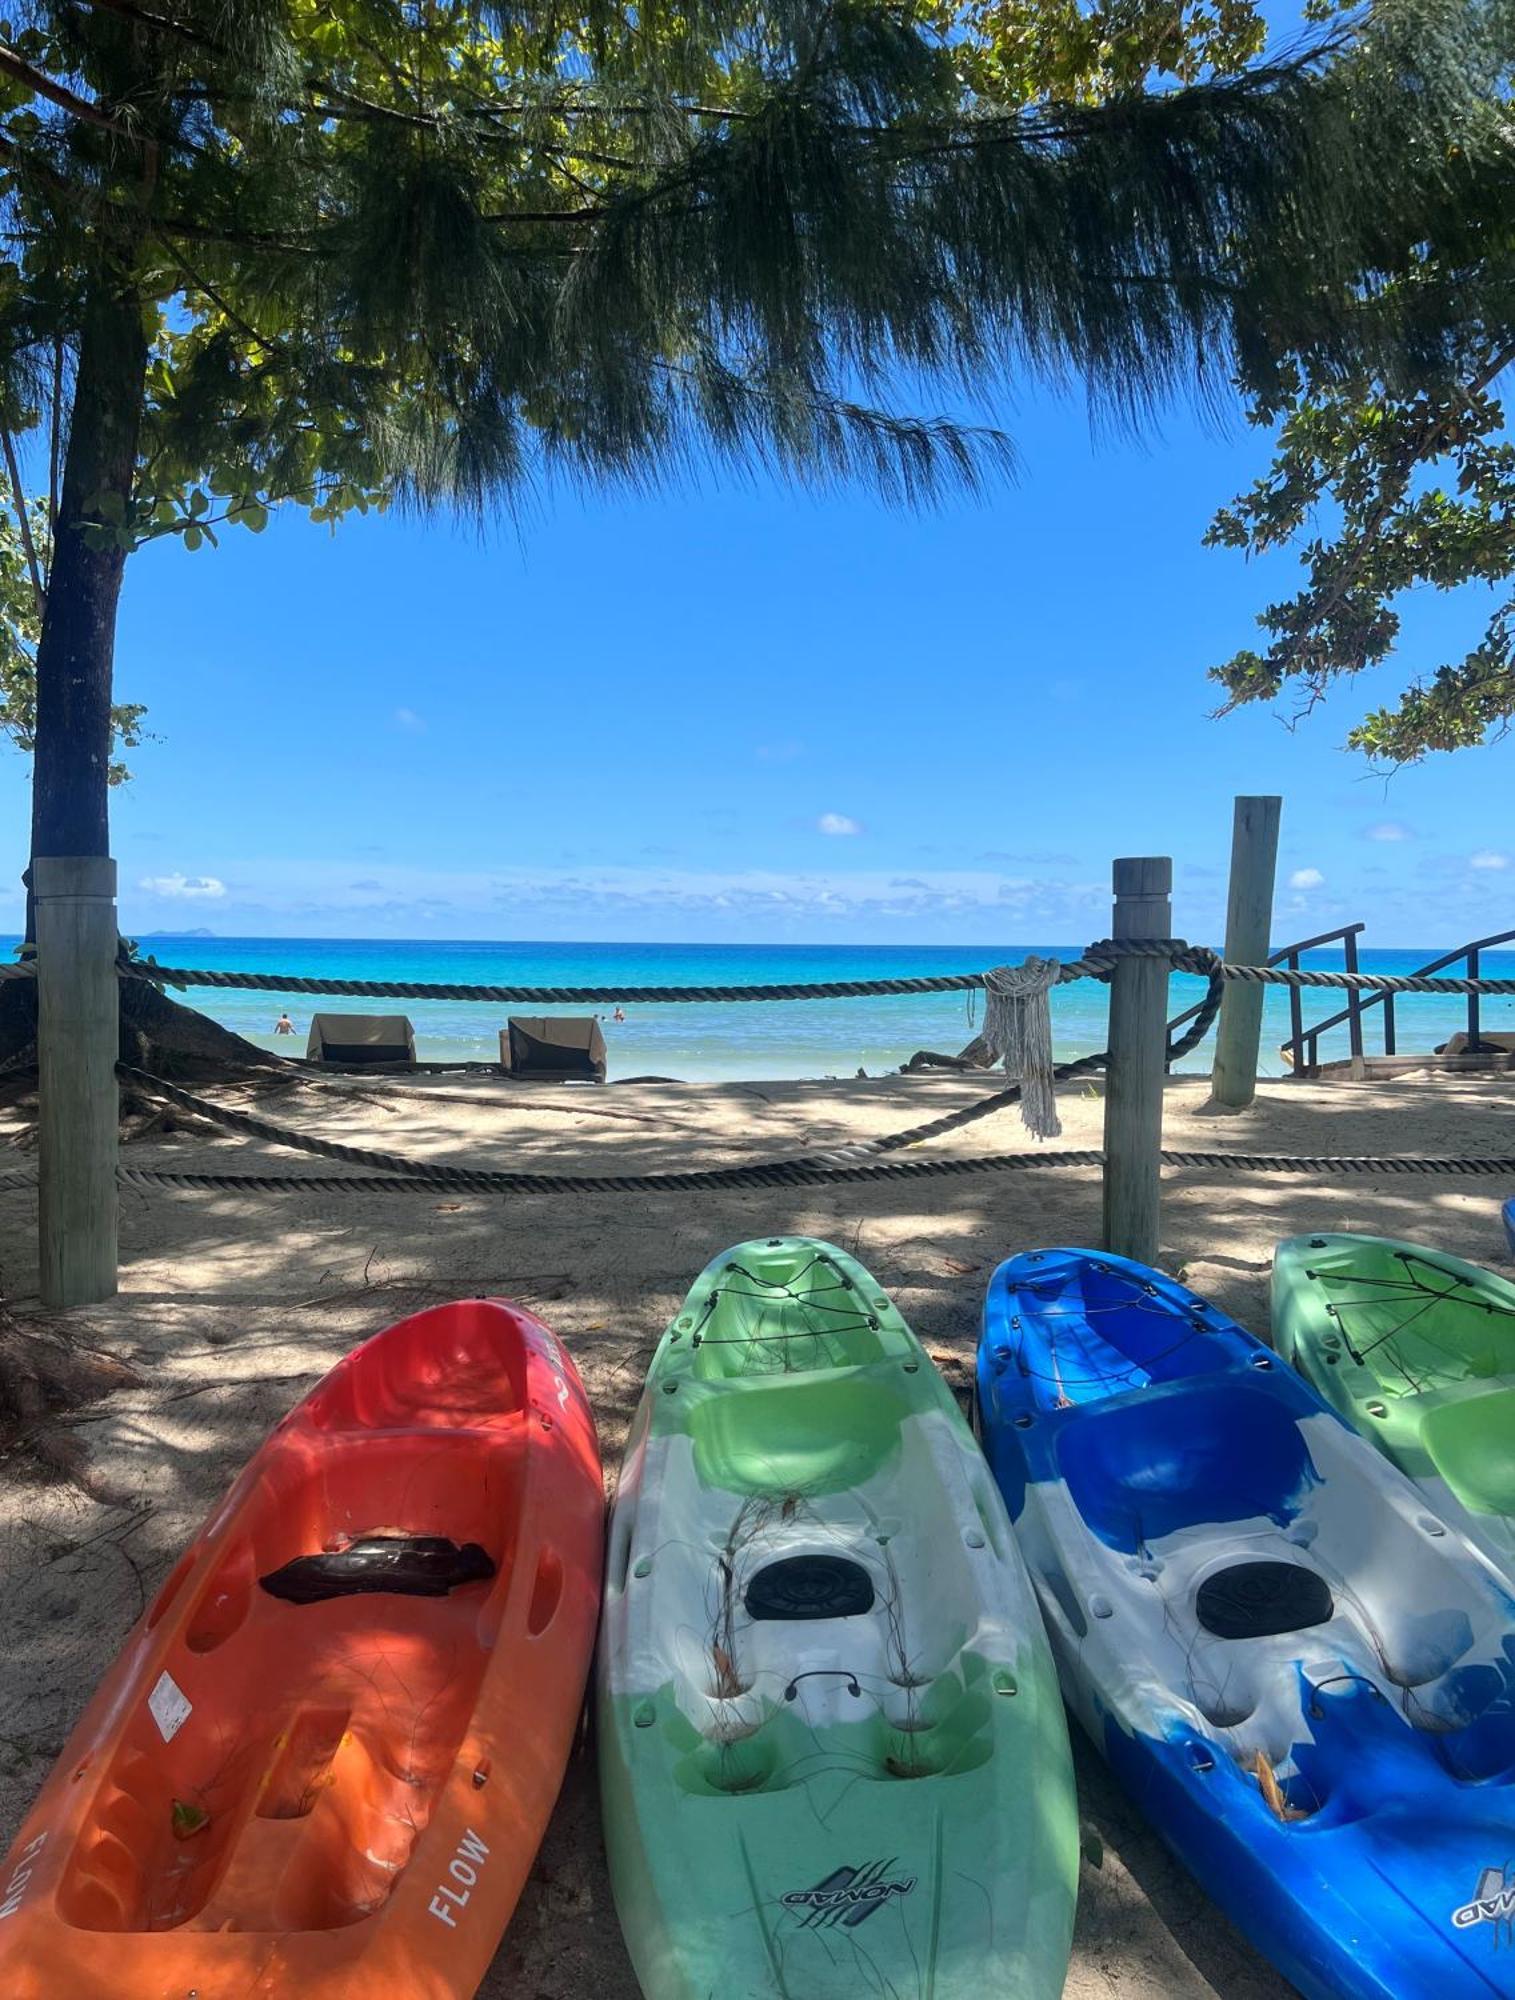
<point>810,1587</point>
<point>1254,1600</point>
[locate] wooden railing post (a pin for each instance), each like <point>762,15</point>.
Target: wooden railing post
<point>78,1037</point>
<point>1249,920</point>
<point>1138,1058</point>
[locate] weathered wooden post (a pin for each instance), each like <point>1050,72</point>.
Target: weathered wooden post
<point>1138,1061</point>
<point>1249,919</point>
<point>77,1041</point>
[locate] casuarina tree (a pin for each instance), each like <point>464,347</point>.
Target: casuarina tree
<point>270,250</point>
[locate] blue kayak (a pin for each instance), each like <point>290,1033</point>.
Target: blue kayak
<point>1509,1223</point>
<point>1302,1676</point>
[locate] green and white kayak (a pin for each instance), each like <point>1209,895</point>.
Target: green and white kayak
<point>1416,1351</point>
<point>833,1757</point>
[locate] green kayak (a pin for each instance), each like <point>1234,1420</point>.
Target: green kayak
<point>1416,1351</point>
<point>833,1757</point>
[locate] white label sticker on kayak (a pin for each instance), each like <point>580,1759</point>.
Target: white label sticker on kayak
<point>170,1707</point>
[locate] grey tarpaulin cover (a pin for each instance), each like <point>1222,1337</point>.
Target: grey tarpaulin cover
<point>554,1048</point>
<point>361,1038</point>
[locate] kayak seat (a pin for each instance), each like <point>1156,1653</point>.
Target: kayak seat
<point>1140,1470</point>
<point>805,1435</point>
<point>1471,1442</point>
<point>457,1367</point>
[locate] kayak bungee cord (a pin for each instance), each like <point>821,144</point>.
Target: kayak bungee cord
<point>1411,1290</point>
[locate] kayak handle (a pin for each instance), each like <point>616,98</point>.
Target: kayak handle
<point>811,1673</point>
<point>1315,1711</point>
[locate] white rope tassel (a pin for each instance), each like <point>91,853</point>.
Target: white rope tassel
<point>1018,1031</point>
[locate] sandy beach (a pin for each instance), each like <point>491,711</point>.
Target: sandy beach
<point>231,1304</point>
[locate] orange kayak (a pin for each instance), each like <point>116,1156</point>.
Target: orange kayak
<point>326,1756</point>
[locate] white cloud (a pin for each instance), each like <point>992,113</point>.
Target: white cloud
<point>1489,857</point>
<point>408,719</point>
<point>323,898</point>
<point>837,823</point>
<point>1390,829</point>
<point>1306,878</point>
<point>188,888</point>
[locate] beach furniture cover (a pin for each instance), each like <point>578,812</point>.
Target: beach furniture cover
<point>1499,1041</point>
<point>554,1048</point>
<point>833,1759</point>
<point>1303,1678</point>
<point>1417,1351</point>
<point>361,1039</point>
<point>323,1760</point>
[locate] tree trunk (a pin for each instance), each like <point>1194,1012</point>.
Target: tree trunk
<point>76,653</point>
<point>157,1034</point>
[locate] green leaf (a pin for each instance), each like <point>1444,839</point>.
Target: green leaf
<point>193,536</point>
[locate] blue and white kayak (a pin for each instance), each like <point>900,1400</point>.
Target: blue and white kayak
<point>1509,1223</point>
<point>1301,1674</point>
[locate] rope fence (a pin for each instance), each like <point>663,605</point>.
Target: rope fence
<point>1097,961</point>
<point>865,1160</point>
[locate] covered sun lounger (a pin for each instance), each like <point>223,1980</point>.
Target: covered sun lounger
<point>1501,1040</point>
<point>369,1040</point>
<point>554,1049</point>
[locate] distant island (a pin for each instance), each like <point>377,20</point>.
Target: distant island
<point>199,932</point>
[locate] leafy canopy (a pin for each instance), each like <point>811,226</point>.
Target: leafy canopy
<point>334,252</point>
<point>413,246</point>
<point>1407,454</point>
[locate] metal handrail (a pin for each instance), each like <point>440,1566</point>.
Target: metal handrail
<point>1345,934</point>
<point>1303,1038</point>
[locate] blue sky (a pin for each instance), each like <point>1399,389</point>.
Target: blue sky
<point>748,713</point>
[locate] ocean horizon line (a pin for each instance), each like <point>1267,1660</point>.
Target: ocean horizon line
<point>202,935</point>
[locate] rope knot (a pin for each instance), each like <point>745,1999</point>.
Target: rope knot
<point>1018,1032</point>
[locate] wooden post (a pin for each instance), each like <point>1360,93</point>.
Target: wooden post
<point>78,1037</point>
<point>1138,1060</point>
<point>1249,920</point>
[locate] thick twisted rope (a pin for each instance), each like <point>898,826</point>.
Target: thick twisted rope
<point>1098,962</point>
<point>1363,982</point>
<point>1366,1166</point>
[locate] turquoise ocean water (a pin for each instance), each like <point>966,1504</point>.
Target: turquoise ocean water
<point>760,1039</point>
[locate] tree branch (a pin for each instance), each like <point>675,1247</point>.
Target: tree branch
<point>18,500</point>
<point>58,93</point>
<point>1425,446</point>
<point>209,291</point>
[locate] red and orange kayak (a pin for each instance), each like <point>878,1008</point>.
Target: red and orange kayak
<point>325,1758</point>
